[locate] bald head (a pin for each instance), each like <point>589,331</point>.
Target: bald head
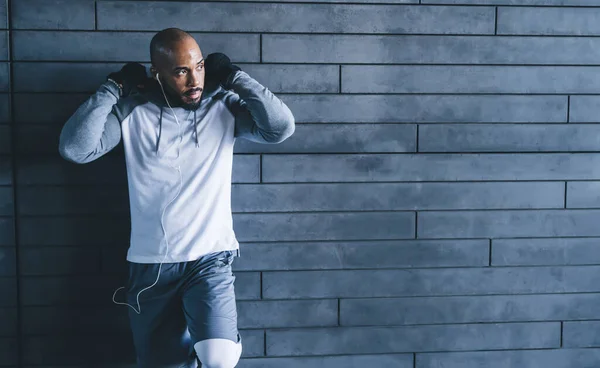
<point>164,42</point>
<point>177,59</point>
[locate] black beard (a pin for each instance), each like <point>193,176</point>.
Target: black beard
<point>190,106</point>
<point>176,101</point>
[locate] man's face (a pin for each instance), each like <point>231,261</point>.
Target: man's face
<point>182,73</point>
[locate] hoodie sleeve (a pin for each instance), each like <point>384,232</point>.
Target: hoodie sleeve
<point>259,115</point>
<point>93,130</point>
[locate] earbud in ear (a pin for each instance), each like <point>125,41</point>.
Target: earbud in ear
<point>156,76</point>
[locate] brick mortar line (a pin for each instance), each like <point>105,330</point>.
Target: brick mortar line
<point>332,64</point>
<point>562,324</point>
<point>427,2</point>
<point>308,34</point>
<point>496,21</point>
<point>14,184</point>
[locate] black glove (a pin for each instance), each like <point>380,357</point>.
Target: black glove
<point>130,76</point>
<point>218,70</point>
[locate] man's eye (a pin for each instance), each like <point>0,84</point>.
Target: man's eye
<point>200,67</point>
<point>181,72</point>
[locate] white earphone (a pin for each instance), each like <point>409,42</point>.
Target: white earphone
<point>178,168</point>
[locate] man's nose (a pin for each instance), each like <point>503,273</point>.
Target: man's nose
<point>195,79</point>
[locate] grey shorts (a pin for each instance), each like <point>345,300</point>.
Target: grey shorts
<point>192,301</point>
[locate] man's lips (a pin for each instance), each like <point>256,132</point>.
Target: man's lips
<point>194,94</point>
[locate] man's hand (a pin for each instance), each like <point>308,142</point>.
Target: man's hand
<point>130,76</point>
<point>218,70</point>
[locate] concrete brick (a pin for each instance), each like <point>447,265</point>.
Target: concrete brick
<point>4,109</point>
<point>343,361</point>
<point>83,290</point>
<point>288,313</point>
<point>53,170</point>
<point>3,14</point>
<point>295,18</point>
<point>121,47</point>
<point>337,138</point>
<point>73,231</point>
<point>469,79</point>
<point>4,55</point>
<point>509,138</point>
<point>73,201</point>
<point>254,343</point>
<point>77,349</point>
<point>110,365</point>
<point>584,109</point>
<point>468,309</point>
<point>8,351</point>
<point>4,77</point>
<point>430,167</point>
<point>6,201</point>
<point>7,237</point>
<point>65,261</point>
<point>40,139</point>
<point>8,262</point>
<point>537,252</point>
<point>429,282</point>
<point>8,321</point>
<point>56,14</point>
<point>114,259</point>
<point>389,49</point>
<point>555,358</point>
<point>324,226</point>
<point>8,287</point>
<point>396,196</point>
<point>296,78</point>
<point>247,285</point>
<point>61,77</point>
<point>246,169</point>
<point>427,109</point>
<point>5,170</point>
<point>50,108</point>
<point>497,224</point>
<point>344,1</point>
<point>110,169</point>
<point>5,140</point>
<point>87,77</point>
<point>75,320</point>
<point>582,334</point>
<point>584,194</point>
<point>367,255</point>
<point>548,21</point>
<point>515,2</point>
<point>367,340</point>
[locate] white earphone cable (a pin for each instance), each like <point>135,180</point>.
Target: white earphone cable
<point>178,168</point>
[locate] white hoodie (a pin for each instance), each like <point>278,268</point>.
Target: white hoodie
<point>179,170</point>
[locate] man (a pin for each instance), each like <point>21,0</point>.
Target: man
<point>178,130</point>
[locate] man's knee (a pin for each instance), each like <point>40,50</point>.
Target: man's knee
<point>218,353</point>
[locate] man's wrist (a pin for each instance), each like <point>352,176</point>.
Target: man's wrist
<point>230,78</point>
<point>116,84</point>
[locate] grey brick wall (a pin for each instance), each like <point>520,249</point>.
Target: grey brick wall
<point>438,206</point>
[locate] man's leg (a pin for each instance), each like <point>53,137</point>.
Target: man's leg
<point>210,309</point>
<point>159,331</point>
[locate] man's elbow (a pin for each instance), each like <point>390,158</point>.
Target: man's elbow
<point>288,125</point>
<point>71,155</point>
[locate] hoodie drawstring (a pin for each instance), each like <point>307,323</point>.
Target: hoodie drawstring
<point>159,129</point>
<point>196,129</point>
